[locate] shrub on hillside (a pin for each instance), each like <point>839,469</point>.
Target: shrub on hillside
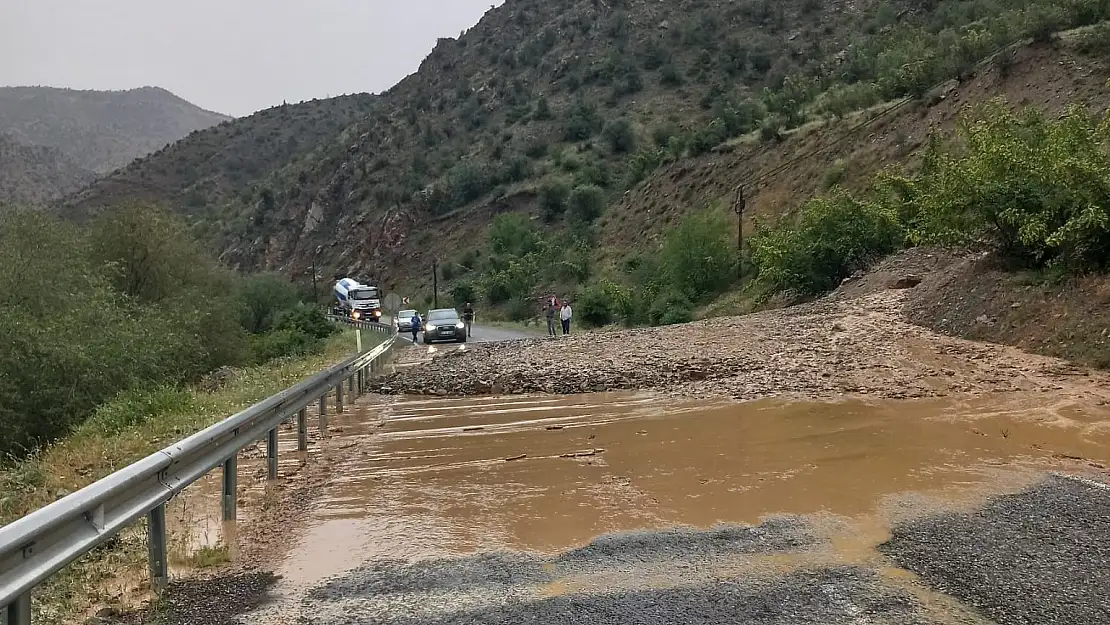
<point>1034,190</point>
<point>620,135</point>
<point>586,203</point>
<point>554,194</point>
<point>593,306</point>
<point>581,122</point>
<point>670,308</point>
<point>832,237</point>
<point>698,257</point>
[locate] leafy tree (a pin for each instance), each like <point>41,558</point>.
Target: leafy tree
<point>834,236</point>
<point>554,193</point>
<point>1037,191</point>
<point>149,253</point>
<point>620,135</point>
<point>699,256</point>
<point>587,203</point>
<point>265,297</point>
<point>582,122</point>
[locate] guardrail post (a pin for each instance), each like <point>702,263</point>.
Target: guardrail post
<point>302,430</point>
<point>324,415</point>
<point>18,613</point>
<point>156,547</point>
<point>339,398</point>
<point>272,455</point>
<point>351,384</point>
<point>231,469</point>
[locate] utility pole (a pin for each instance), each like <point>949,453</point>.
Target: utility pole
<point>315,294</point>
<point>739,206</point>
<point>435,285</point>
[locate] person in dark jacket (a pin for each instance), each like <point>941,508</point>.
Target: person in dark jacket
<point>416,321</point>
<point>468,318</point>
<point>550,312</point>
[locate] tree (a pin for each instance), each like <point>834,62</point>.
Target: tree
<point>149,253</point>
<point>699,256</point>
<point>586,203</point>
<point>620,135</point>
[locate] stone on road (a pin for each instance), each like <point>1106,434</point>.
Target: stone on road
<point>1040,556</point>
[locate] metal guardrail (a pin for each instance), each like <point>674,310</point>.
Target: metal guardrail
<point>42,543</point>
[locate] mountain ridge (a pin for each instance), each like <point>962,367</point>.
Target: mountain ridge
<point>100,130</point>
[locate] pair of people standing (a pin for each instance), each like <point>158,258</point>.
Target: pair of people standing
<point>564,312</point>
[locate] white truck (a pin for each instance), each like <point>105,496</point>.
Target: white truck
<point>358,301</point>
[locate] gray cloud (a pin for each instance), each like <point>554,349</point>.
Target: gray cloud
<point>233,56</point>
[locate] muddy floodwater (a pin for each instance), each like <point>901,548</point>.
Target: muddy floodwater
<point>424,478</point>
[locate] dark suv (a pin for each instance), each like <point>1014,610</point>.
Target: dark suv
<point>444,324</point>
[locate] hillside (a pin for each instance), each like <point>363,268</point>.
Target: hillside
<point>35,175</point>
<point>100,130</point>
<point>220,166</point>
<point>557,109</point>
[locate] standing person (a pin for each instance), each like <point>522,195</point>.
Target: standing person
<point>468,318</point>
<point>564,316</point>
<point>416,322</point>
<point>550,314</point>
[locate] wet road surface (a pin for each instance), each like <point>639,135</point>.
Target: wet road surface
<point>479,334</point>
<point>601,509</point>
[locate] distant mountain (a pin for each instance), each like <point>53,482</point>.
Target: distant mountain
<point>100,131</point>
<point>35,175</point>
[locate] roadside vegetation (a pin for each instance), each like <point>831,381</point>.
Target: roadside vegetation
<point>108,322</point>
<point>1034,192</point>
<point>119,432</point>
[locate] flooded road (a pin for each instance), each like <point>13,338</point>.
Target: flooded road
<point>434,478</point>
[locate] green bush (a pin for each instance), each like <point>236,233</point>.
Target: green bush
<point>593,306</point>
<point>586,203</point>
<point>582,121</point>
<point>1034,190</point>
<point>264,296</point>
<point>698,257</point>
<point>111,320</point>
<point>833,237</point>
<point>462,293</point>
<point>620,135</point>
<point>673,307</point>
<point>554,193</point>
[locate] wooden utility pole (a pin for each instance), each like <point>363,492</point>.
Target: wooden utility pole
<point>435,285</point>
<point>738,206</point>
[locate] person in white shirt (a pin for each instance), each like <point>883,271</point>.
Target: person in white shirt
<point>564,316</point>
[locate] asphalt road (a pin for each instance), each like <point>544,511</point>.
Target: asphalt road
<point>481,334</point>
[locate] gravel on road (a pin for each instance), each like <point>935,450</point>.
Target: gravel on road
<point>826,349</point>
<point>1037,557</point>
<point>203,601</point>
<point>672,576</point>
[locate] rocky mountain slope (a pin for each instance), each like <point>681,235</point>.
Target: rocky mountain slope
<point>35,175</point>
<point>658,108</point>
<point>223,165</point>
<point>100,130</point>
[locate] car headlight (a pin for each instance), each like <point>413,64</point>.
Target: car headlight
<point>460,325</point>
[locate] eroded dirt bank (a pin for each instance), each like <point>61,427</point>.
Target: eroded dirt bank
<point>824,350</point>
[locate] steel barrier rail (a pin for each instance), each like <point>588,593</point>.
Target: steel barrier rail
<point>42,543</point>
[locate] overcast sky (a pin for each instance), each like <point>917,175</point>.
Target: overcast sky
<point>231,56</point>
